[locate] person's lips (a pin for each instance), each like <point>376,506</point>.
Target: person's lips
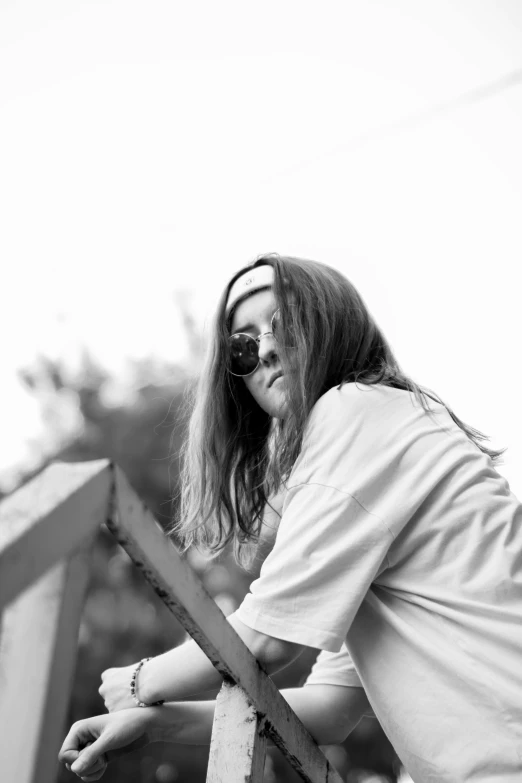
<point>274,377</point>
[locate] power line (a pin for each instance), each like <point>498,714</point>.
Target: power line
<point>469,98</point>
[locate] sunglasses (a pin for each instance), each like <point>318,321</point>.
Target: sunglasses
<point>243,350</point>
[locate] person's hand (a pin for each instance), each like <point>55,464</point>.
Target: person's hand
<point>115,688</point>
<point>92,743</point>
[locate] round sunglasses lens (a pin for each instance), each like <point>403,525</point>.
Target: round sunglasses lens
<point>243,354</point>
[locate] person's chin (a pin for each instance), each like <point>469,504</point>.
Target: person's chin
<point>278,404</point>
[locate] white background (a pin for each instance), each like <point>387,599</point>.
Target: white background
<point>148,149</point>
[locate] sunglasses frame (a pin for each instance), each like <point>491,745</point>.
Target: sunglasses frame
<point>256,341</point>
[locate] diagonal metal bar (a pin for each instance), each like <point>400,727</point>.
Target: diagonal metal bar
<point>176,584</point>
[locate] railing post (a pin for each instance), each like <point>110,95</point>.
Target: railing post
<point>45,532</point>
<point>38,647</point>
<point>238,746</point>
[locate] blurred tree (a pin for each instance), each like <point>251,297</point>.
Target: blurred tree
<point>140,427</point>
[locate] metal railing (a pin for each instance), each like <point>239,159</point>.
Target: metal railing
<point>46,532</point>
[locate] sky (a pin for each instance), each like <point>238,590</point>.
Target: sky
<point>150,149</point>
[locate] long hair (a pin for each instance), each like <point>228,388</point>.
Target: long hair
<point>235,456</point>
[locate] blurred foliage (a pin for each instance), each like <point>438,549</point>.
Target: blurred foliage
<point>123,620</point>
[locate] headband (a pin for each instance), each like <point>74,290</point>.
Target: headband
<point>254,280</point>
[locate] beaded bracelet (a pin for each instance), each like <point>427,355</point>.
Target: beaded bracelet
<point>133,687</point>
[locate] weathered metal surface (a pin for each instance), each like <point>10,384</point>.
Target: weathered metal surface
<point>238,747</point>
<point>38,647</point>
<point>53,516</point>
<point>181,590</point>
<point>48,519</point>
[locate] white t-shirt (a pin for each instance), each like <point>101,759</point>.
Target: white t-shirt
<point>399,539</point>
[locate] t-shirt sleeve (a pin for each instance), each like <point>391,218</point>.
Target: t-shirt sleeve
<point>334,669</point>
<point>327,552</point>
<point>330,546</point>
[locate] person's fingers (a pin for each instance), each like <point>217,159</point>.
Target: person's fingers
<point>92,743</point>
<point>95,772</point>
<point>68,757</point>
<point>80,734</point>
<point>92,772</point>
<point>91,758</point>
<point>97,767</point>
<point>86,769</point>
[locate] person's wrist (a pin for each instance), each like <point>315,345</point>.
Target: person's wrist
<point>145,685</point>
<point>155,722</point>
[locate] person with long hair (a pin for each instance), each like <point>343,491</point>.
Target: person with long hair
<point>392,543</point>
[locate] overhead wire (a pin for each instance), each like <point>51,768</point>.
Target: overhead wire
<point>470,97</point>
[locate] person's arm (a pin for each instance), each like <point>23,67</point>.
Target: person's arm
<point>186,670</point>
<point>329,712</point>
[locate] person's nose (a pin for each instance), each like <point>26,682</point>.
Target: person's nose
<point>267,349</point>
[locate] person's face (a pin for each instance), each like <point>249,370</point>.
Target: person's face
<point>253,316</point>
